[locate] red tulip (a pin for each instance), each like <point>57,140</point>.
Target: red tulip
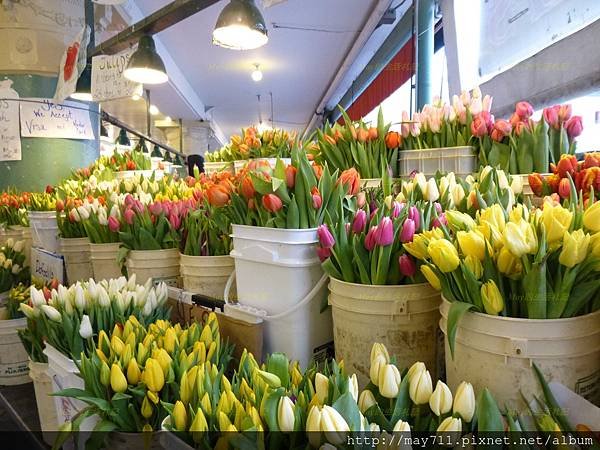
<point>536,183</point>
<point>350,179</point>
<point>272,203</point>
<point>60,205</point>
<point>408,268</point>
<point>524,110</point>
<point>564,188</point>
<point>591,160</point>
<point>502,128</point>
<point>290,176</point>
<point>113,224</point>
<point>574,127</point>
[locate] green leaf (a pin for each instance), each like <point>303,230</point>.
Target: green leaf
<point>557,411</point>
<point>489,417</point>
<point>457,311</point>
<point>403,402</point>
<point>278,364</point>
<point>348,408</point>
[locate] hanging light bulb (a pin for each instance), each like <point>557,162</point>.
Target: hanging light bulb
<point>145,65</point>
<point>240,26</point>
<point>154,110</point>
<point>257,74</point>
<point>83,89</point>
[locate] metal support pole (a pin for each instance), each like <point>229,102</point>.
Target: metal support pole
<point>89,21</point>
<point>148,118</point>
<point>424,50</point>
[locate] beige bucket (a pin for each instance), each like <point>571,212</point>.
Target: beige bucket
<point>206,275</point>
<point>27,247</point>
<point>104,261</point>
<point>13,356</point>
<point>160,265</point>
<point>498,352</point>
<point>76,252</point>
<point>404,318</point>
<point>42,383</point>
<point>12,232</point>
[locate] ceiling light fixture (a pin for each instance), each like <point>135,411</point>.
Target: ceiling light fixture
<point>123,139</point>
<point>83,89</point>
<point>145,65</point>
<point>154,110</point>
<point>257,74</point>
<point>240,26</point>
<point>156,154</point>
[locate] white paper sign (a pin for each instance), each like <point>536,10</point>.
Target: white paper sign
<point>72,64</point>
<point>108,82</point>
<point>43,118</point>
<point>10,139</point>
<point>46,265</point>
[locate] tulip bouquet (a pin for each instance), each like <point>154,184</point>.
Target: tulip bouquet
<point>12,209</point>
<point>409,403</point>
<point>487,187</point>
<point>17,295</point>
<point>70,217</point>
<point>103,223</point>
<point>70,317</point>
<point>298,196</point>
<point>154,226</point>
<point>206,231</point>
<point>253,144</point>
<point>12,265</point>
<point>369,250</point>
<point>119,162</point>
<point>133,377</point>
<point>42,201</point>
<point>519,263</point>
<point>442,125</point>
<point>585,175</point>
<point>372,151</point>
<point>521,145</point>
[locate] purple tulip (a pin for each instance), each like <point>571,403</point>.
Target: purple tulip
<point>359,222</point>
<point>325,237</point>
<point>413,214</point>
<point>323,253</point>
<point>408,231</point>
<point>370,239</point>
<point>440,220</point>
<point>397,208</point>
<point>407,266</point>
<point>384,234</point>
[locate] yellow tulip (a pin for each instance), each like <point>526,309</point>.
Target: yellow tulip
<point>212,348</point>
<point>205,404</point>
<point>116,344</point>
<point>518,213</point>
<point>520,238</point>
<point>431,277</point>
<point>117,331</point>
<point>472,243</point>
<point>556,220</point>
<point>444,255</point>
<point>104,374</point>
<point>206,335</point>
<point>199,426</point>
<point>142,354</point>
<point>179,416</point>
<point>575,248</point>
<point>494,215</point>
<point>170,340</point>
<point>103,342</point>
<point>595,245</point>
<point>508,264</point>
<point>101,355</point>
<point>133,372</point>
<point>418,246</point>
<point>154,377</point>
<point>490,233</point>
<point>126,355</point>
<point>185,389</point>
<point>224,421</point>
<point>591,217</point>
<point>163,358</point>
<point>152,397</point>
<point>491,298</point>
<point>147,409</point>
<point>118,382</point>
<point>475,266</point>
<point>459,221</point>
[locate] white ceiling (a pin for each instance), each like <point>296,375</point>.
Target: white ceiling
<point>298,65</point>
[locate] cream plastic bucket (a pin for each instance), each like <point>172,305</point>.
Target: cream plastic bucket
<point>206,275</point>
<point>103,258</point>
<point>160,265</point>
<point>76,252</point>
<point>498,353</point>
<point>14,360</point>
<point>44,230</point>
<point>42,384</point>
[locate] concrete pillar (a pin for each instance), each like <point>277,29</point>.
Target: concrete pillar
<point>424,49</point>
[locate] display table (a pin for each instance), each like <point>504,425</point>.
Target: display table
<point>19,403</point>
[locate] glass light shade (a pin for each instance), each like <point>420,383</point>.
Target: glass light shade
<point>240,26</point>
<point>83,89</point>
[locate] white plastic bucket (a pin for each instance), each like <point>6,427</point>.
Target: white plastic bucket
<point>498,353</point>
<point>27,246</point>
<point>206,275</point>
<point>277,271</point>
<point>76,252</point>
<point>14,360</point>
<point>404,318</point>
<point>103,258</point>
<point>44,230</point>
<point>219,166</point>
<point>42,384</point>
<point>160,265</point>
<point>462,161</point>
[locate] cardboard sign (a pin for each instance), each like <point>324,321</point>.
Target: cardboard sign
<point>108,82</point>
<point>10,138</point>
<point>47,266</point>
<point>46,119</point>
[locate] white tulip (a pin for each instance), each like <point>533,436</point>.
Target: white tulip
<point>37,297</point>
<point>18,247</point>
<point>16,269</point>
<point>389,381</point>
<point>85,328</point>
<point>415,369</point>
<point>366,400</point>
<point>30,313</point>
<point>464,401</point>
<point>10,242</point>
<point>458,193</point>
<point>502,180</point>
<point>450,425</point>
<point>379,349</point>
<point>376,366</point>
<point>51,313</point>
<point>476,92</point>
<point>115,212</point>
<point>103,299</point>
<point>487,103</point>
<point>334,425</point>
<point>353,386</point>
<point>440,401</point>
<point>321,387</point>
<point>432,193</point>
<point>516,185</point>
<point>285,415</point>
<point>420,388</point>
<point>421,181</point>
<point>313,426</point>
<point>401,427</point>
<point>374,428</point>
<point>80,302</point>
<point>102,218</point>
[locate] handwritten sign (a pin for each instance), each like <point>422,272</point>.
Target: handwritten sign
<point>46,119</point>
<point>10,139</point>
<point>46,265</point>
<point>108,82</point>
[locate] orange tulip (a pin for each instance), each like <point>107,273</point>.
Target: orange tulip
<point>337,135</point>
<point>536,183</point>
<point>330,139</point>
<point>218,195</point>
<point>290,176</point>
<point>247,187</point>
<point>350,179</point>
<point>362,135</point>
<point>373,134</point>
<point>393,140</point>
<point>318,170</point>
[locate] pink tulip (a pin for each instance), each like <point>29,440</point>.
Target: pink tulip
<point>361,199</point>
<point>551,116</point>
<point>397,208</point>
<point>325,237</point>
<point>384,234</point>
<point>415,216</point>
<point>175,221</point>
<point>370,239</point>
<point>323,253</point>
<point>408,267</point>
<point>439,221</point>
<point>113,224</point>
<point>524,110</point>
<point>155,209</point>
<point>438,207</point>
<point>574,127</point>
<point>487,103</point>
<point>408,231</point>
<point>128,215</point>
<point>129,200</point>
<point>488,119</point>
<point>359,222</point>
<point>478,126</point>
<point>405,127</point>
<point>137,206</point>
